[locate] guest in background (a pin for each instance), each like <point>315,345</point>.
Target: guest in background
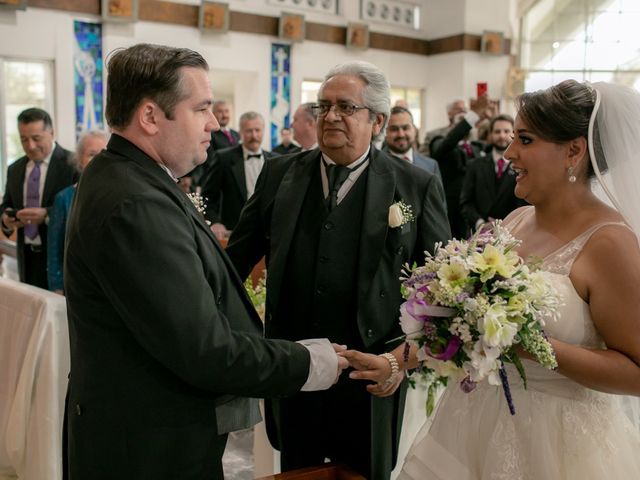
<point>225,137</point>
<point>304,127</point>
<point>453,152</point>
<point>488,187</point>
<point>286,146</point>
<point>233,178</point>
<point>220,139</point>
<point>89,145</point>
<point>399,140</point>
<point>32,182</point>
<point>454,109</point>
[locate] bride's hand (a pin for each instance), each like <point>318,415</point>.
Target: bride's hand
<point>375,369</point>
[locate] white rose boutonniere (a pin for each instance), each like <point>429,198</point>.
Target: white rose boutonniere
<point>399,214</point>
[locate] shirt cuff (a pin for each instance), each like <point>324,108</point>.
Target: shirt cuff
<point>471,118</point>
<point>323,364</point>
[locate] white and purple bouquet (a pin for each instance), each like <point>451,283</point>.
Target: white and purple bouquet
<point>469,308</point>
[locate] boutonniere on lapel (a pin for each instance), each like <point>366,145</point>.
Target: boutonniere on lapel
<point>400,214</point>
<point>198,202</point>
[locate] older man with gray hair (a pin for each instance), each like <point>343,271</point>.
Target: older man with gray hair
<point>304,127</point>
<point>335,253</point>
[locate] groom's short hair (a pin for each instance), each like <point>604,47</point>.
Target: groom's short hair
<point>146,71</point>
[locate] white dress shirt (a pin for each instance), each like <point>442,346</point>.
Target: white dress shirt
<point>252,168</point>
<point>351,179</point>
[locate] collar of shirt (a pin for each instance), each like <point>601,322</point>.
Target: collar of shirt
<point>246,153</point>
<point>351,179</point>
<point>312,147</point>
<point>46,160</point>
<point>497,156</point>
<point>169,172</point>
<point>408,154</point>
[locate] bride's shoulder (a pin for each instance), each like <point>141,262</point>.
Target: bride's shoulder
<point>517,215</point>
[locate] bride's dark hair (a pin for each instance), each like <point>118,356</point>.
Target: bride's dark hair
<point>560,113</point>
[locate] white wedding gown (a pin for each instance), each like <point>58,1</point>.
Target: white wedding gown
<point>561,430</point>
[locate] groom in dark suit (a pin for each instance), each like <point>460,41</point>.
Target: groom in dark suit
<point>334,255</point>
<point>165,345</point>
<point>32,183</point>
<point>488,188</point>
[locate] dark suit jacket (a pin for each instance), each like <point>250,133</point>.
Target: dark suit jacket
<point>226,186</point>
<point>60,174</point>
<point>161,328</point>
<point>453,162</point>
<point>282,150</point>
<point>425,163</point>
<point>268,223</point>
<point>483,195</point>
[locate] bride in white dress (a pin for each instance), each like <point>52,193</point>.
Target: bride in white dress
<point>581,421</point>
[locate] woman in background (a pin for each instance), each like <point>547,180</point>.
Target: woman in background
<point>89,145</point>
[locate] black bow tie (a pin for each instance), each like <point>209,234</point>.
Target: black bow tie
<point>254,155</point>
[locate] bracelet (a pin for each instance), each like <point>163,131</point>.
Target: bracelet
<point>395,368</point>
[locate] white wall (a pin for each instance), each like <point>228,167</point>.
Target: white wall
<point>48,34</point>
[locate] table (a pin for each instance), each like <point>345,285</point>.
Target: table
<point>34,366</point>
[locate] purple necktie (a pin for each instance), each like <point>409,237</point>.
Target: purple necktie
<point>33,198</point>
<point>227,134</point>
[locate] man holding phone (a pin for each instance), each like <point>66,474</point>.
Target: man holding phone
<point>32,182</point>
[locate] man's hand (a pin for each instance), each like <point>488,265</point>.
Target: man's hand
<point>375,369</point>
<point>11,222</point>
<point>32,215</point>
<point>342,362</point>
<point>484,107</point>
<point>220,231</point>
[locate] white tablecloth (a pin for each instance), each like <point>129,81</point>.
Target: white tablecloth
<point>34,364</point>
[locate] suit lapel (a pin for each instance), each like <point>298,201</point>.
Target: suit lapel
<point>237,170</point>
<point>286,209</point>
<point>381,185</point>
<point>53,170</point>
<point>488,175</point>
<point>164,182</point>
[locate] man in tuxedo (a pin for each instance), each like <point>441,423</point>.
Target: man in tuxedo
<point>399,139</point>
<point>487,191</point>
<point>234,175</point>
<point>304,127</point>
<point>165,345</point>
<point>453,152</point>
<point>321,217</point>
<point>32,183</point>
<point>286,146</point>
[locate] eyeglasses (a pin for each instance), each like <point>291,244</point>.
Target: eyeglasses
<point>342,109</point>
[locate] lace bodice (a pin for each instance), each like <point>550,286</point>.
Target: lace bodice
<point>574,324</point>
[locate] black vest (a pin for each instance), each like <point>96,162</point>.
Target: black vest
<point>319,289</point>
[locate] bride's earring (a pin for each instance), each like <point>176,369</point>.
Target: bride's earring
<point>572,177</point>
